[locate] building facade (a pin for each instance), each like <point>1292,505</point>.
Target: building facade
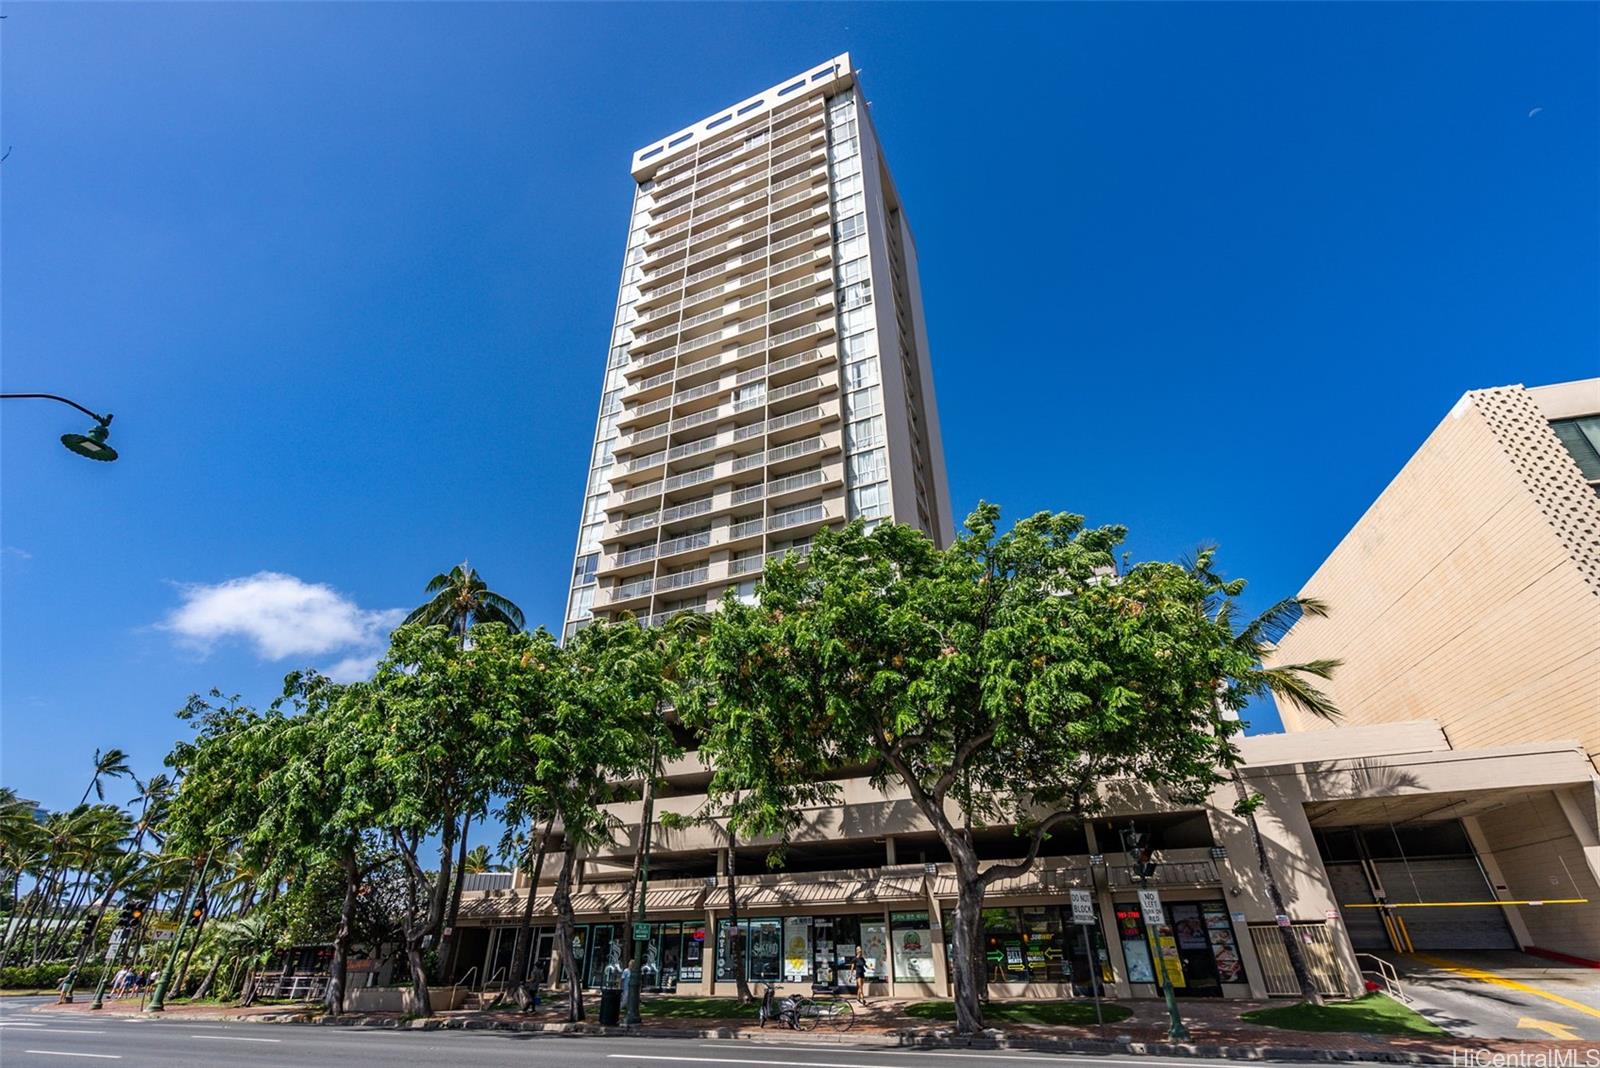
<point>1469,594</point>
<point>768,371</point>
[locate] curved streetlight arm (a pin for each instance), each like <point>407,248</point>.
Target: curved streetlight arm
<point>103,420</point>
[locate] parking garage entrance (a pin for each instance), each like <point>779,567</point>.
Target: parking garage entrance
<point>1412,886</point>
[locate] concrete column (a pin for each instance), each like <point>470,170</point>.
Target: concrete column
<point>1497,879</point>
<point>1578,805</point>
<point>941,966</point>
<point>708,948</point>
<point>888,851</point>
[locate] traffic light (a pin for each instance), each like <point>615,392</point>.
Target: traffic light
<point>1137,844</point>
<point>199,910</point>
<point>132,914</point>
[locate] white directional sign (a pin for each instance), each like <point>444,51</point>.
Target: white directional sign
<point>1150,905</point>
<point>1082,906</point>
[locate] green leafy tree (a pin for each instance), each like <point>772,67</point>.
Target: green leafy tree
<point>442,714</point>
<point>1001,682</point>
<point>461,599</point>
<point>602,730</point>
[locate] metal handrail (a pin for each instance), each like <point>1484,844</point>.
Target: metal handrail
<point>460,982</point>
<point>1386,972</point>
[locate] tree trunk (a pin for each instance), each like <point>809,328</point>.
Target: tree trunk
<point>1291,945</point>
<point>565,926</point>
<point>210,978</point>
<point>455,899</point>
<point>736,948</point>
<point>522,954</point>
<point>968,939</point>
<point>641,864</point>
<point>339,966</point>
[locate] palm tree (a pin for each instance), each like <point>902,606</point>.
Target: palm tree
<point>460,599</point>
<point>112,764</point>
<point>1255,643</point>
<point>477,861</point>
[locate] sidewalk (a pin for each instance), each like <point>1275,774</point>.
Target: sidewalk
<point>1215,1028</point>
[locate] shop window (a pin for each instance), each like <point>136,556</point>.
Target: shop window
<point>1198,947</point>
<point>912,946</point>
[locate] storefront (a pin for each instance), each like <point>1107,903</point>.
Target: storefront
<point>805,949</point>
<point>1198,948</point>
<point>1037,944</point>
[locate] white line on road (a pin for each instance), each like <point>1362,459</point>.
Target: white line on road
<point>235,1038</point>
<point>65,1031</point>
<point>918,1052</point>
<point>18,1023</point>
<point>743,1060</point>
<point>64,1053</point>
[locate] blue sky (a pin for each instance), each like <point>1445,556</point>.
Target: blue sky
<point>344,273</point>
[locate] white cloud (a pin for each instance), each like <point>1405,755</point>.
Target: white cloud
<point>281,616</point>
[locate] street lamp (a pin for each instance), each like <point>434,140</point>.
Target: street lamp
<point>93,444</point>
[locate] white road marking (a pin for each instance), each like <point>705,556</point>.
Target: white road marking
<point>925,1053</point>
<point>65,1031</point>
<point>64,1053</point>
<point>235,1038</point>
<point>18,1023</point>
<point>743,1060</point>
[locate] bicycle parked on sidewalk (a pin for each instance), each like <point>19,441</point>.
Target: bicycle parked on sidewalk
<point>827,1003</point>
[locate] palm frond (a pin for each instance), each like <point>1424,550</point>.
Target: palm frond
<point>1289,683</point>
<point>1270,626</point>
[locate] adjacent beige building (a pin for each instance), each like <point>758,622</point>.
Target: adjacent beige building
<point>1469,594</point>
<point>768,370</point>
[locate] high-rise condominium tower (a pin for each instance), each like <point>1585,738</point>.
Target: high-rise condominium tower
<point>768,369</point>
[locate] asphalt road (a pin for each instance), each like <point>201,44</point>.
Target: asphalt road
<point>51,1040</point>
<point>1502,994</point>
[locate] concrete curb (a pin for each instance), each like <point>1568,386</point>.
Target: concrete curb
<point>904,1040</point>
<point>991,1040</point>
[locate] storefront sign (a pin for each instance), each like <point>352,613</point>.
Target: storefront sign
<point>1150,905</point>
<point>1082,906</point>
<point>1283,921</point>
<point>796,948</point>
<point>641,932</point>
<point>1171,961</point>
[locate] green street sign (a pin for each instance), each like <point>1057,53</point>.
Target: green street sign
<point>641,932</point>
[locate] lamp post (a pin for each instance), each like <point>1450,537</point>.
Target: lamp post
<point>93,444</point>
<point>1138,848</point>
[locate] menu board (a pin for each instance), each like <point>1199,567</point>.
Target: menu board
<point>1224,948</point>
<point>691,968</point>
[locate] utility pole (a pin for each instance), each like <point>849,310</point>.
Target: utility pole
<point>1137,846</point>
<point>158,998</point>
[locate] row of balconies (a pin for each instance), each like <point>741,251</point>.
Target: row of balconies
<point>654,258</point>
<point>758,264</point>
<point>777,159</point>
<point>642,410</point>
<point>673,178</point>
<point>770,167</point>
<point>802,389</point>
<point>725,534</point>
<point>626,527</point>
<point>779,490</point>
<point>717,221</point>
<point>764,191</point>
<point>727,437</point>
<point>647,435</point>
<point>712,147</point>
<point>653,318</point>
<point>761,183</point>
<point>812,217</point>
<point>763,298</point>
<point>743,352</point>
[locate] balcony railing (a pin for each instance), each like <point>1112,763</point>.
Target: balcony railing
<point>682,578</point>
<point>683,511</point>
<point>634,556</point>
<point>795,518</point>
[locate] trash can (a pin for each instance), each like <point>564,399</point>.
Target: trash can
<point>610,1007</point>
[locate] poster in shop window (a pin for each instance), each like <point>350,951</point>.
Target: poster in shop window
<point>875,946</point>
<point>796,948</point>
<point>1230,969</point>
<point>913,953</point>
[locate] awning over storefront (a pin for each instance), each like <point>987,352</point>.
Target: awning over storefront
<point>841,892</point>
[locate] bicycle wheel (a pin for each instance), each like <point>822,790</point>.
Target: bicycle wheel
<point>841,1015</point>
<point>805,1014</point>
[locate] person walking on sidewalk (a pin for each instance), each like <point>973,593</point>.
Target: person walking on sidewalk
<point>859,966</point>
